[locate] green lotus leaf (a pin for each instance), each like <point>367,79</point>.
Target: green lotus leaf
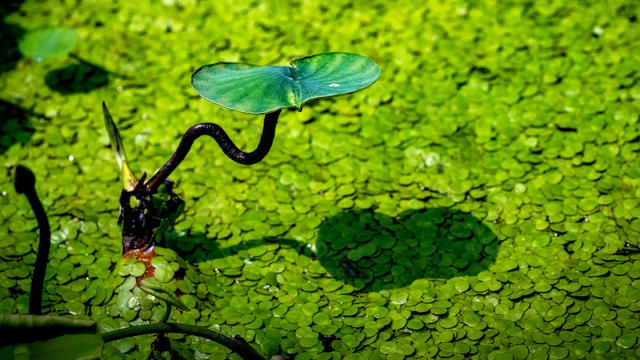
<point>47,42</point>
<point>262,89</point>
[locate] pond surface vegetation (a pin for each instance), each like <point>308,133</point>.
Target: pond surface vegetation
<point>480,200</point>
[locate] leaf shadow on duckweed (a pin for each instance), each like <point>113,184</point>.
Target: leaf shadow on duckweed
<point>76,78</point>
<point>373,251</point>
<point>14,125</point>
<point>10,54</point>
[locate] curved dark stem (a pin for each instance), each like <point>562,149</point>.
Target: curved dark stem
<point>227,146</point>
<point>240,347</point>
<point>25,184</point>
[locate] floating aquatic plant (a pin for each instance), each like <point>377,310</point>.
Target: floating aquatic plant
<point>47,42</point>
<point>66,337</point>
<point>243,87</point>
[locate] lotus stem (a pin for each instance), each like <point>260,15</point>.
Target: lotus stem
<point>240,347</point>
<point>25,183</point>
<point>225,143</point>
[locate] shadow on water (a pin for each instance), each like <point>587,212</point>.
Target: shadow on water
<point>76,78</point>
<point>14,125</point>
<point>10,54</point>
<point>373,251</point>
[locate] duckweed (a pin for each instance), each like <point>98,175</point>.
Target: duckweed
<point>479,201</point>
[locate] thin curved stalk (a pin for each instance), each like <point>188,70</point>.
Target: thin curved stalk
<point>25,183</point>
<point>227,146</point>
<point>240,347</point>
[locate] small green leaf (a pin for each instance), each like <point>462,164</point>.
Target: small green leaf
<point>47,42</point>
<point>262,89</point>
<point>627,340</point>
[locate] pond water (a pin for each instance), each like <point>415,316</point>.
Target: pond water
<point>480,200</point>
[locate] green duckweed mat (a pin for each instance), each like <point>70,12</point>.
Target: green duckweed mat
<point>480,200</point>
